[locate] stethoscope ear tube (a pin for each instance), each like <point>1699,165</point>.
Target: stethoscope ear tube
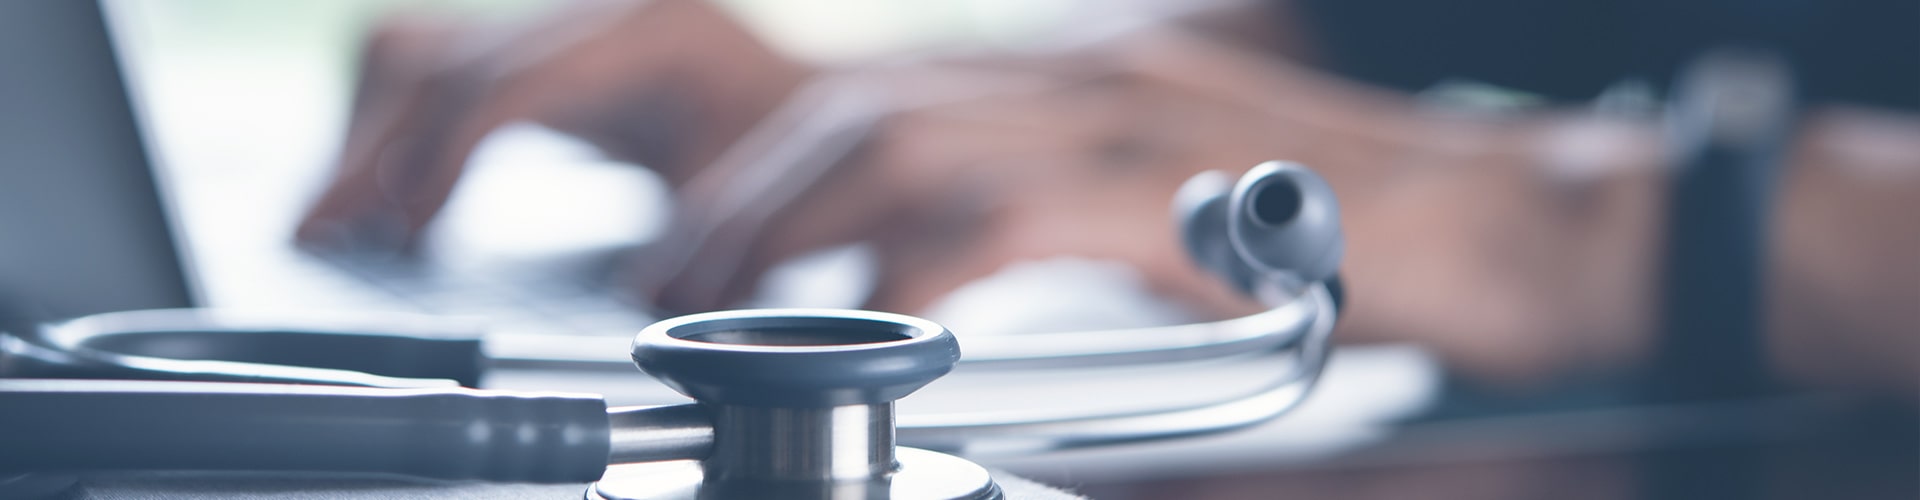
<point>1305,326</point>
<point>359,349</point>
<point>439,433</point>
<point>1275,234</point>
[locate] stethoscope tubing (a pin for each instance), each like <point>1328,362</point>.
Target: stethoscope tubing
<point>459,433</point>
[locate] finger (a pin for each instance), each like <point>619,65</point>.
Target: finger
<point>1085,171</point>
<point>795,189</point>
<point>669,84</point>
<point>800,170</point>
<point>430,94</point>
<point>848,206</point>
<point>402,162</point>
<point>354,211</point>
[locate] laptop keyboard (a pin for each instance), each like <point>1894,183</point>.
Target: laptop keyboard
<point>556,296</point>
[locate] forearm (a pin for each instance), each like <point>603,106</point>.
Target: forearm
<point>1519,245</point>
<point>1845,272</point>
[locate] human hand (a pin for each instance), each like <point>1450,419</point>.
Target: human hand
<point>668,84</point>
<point>1460,229</point>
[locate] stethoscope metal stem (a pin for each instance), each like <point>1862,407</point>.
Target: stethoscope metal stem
<point>658,433</point>
<point>853,442</point>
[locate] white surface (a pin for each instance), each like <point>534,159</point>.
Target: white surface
<point>1059,294</point>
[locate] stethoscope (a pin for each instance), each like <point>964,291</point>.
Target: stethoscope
<point>790,403</point>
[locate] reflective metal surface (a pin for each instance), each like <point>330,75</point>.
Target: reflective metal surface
<point>801,444</point>
<point>650,434</point>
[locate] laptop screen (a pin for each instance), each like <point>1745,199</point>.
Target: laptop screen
<point>83,228</point>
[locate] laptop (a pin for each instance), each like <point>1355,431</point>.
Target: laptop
<point>83,226</point>
<point>87,224</point>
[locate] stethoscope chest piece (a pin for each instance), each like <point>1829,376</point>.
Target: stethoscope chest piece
<point>801,403</point>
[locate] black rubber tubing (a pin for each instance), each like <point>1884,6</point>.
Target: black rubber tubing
<point>449,433</point>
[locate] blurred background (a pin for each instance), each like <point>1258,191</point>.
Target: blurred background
<point>1596,249</point>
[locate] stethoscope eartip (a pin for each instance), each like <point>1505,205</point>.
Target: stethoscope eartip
<point>1280,220</point>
